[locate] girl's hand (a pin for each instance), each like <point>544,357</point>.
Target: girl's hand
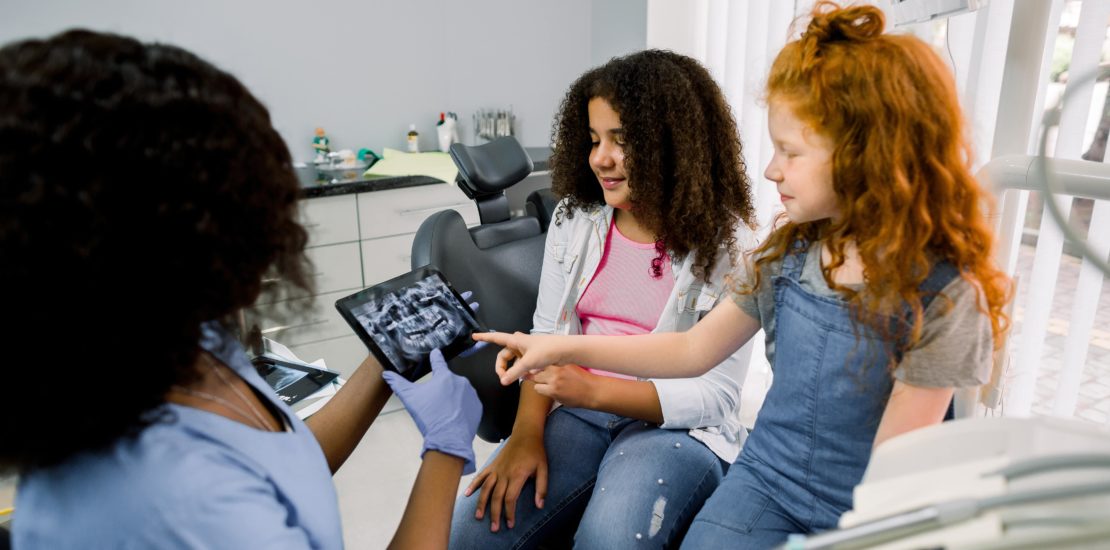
<point>570,385</point>
<point>522,457</point>
<point>525,352</point>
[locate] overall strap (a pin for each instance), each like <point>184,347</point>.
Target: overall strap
<point>795,259</point>
<point>939,277</point>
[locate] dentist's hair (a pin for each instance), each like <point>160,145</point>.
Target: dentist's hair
<point>143,191</point>
<point>682,152</point>
<point>901,165</point>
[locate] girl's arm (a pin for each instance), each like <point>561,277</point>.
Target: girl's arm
<point>574,386</point>
<point>522,457</point>
<point>665,355</point>
<point>910,408</point>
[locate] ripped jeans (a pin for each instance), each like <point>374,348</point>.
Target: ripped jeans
<point>630,482</point>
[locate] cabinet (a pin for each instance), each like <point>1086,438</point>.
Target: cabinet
<point>356,240</point>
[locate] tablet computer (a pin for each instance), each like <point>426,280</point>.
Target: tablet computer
<point>292,381</point>
<point>403,319</point>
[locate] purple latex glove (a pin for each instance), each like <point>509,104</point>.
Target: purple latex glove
<point>445,408</point>
<point>477,345</point>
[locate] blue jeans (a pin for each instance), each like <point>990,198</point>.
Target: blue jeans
<point>630,482</point>
<point>741,514</point>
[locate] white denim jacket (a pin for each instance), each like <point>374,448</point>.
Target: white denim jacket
<point>706,405</point>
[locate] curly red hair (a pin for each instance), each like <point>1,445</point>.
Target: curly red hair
<point>901,165</point>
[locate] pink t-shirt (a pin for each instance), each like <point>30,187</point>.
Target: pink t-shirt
<point>623,298</point>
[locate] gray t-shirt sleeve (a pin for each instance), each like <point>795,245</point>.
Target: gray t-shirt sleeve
<point>956,342</point>
<point>742,277</point>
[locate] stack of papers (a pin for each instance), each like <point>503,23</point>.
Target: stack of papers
<point>316,401</point>
<point>400,163</point>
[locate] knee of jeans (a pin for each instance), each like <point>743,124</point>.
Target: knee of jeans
<point>463,525</point>
<point>612,521</point>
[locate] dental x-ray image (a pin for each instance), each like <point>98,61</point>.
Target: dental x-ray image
<point>408,317</point>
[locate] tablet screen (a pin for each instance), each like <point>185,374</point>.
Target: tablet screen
<point>402,320</point>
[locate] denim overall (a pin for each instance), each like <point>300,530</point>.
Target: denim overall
<point>814,434</point>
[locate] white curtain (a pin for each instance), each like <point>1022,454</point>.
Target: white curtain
<point>736,40</point>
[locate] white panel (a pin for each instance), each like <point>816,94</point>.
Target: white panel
<point>383,259</point>
<point>753,114</point>
<point>674,25</point>
<point>334,267</point>
<point>320,320</point>
<point>1021,98</point>
<point>716,38</point>
<point>337,267</point>
<point>1083,313</point>
<point>1046,263</point>
<point>1042,284</point>
<point>982,71</point>
<point>343,354</point>
<point>400,211</point>
<point>330,220</point>
<point>1089,37</point>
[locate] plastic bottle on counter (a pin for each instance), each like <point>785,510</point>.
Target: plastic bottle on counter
<point>413,139</point>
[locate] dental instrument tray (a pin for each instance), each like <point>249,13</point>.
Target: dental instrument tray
<point>403,319</point>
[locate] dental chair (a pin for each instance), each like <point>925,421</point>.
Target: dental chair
<point>499,260</point>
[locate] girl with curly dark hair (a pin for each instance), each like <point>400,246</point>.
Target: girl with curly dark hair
<point>648,166</point>
<point>144,194</point>
<point>877,290</point>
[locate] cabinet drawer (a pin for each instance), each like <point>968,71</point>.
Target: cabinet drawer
<point>341,354</point>
<point>320,322</point>
<point>384,259</point>
<point>399,211</point>
<point>334,267</point>
<point>330,220</point>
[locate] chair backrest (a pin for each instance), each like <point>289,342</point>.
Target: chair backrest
<point>500,261</point>
<point>485,171</point>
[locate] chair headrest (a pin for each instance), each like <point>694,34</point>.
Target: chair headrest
<point>492,167</point>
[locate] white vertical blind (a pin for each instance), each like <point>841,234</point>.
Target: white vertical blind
<point>1090,35</point>
<point>736,41</point>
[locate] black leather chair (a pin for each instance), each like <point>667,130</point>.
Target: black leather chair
<point>499,260</point>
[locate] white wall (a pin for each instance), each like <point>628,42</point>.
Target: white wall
<point>618,27</point>
<point>365,69</point>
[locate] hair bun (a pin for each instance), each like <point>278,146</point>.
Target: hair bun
<point>832,23</point>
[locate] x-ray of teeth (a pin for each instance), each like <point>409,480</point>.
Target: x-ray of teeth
<point>281,377</point>
<point>407,324</point>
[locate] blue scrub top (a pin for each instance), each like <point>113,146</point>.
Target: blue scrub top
<point>198,480</point>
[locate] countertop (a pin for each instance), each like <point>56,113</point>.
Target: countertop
<point>310,188</point>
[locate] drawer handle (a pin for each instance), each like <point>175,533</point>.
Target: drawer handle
<point>310,225</point>
<point>287,327</point>
<point>431,208</point>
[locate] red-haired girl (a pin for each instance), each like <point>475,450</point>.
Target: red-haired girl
<point>877,293</point>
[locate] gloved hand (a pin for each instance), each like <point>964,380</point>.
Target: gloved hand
<point>478,346</point>
<point>445,408</point>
